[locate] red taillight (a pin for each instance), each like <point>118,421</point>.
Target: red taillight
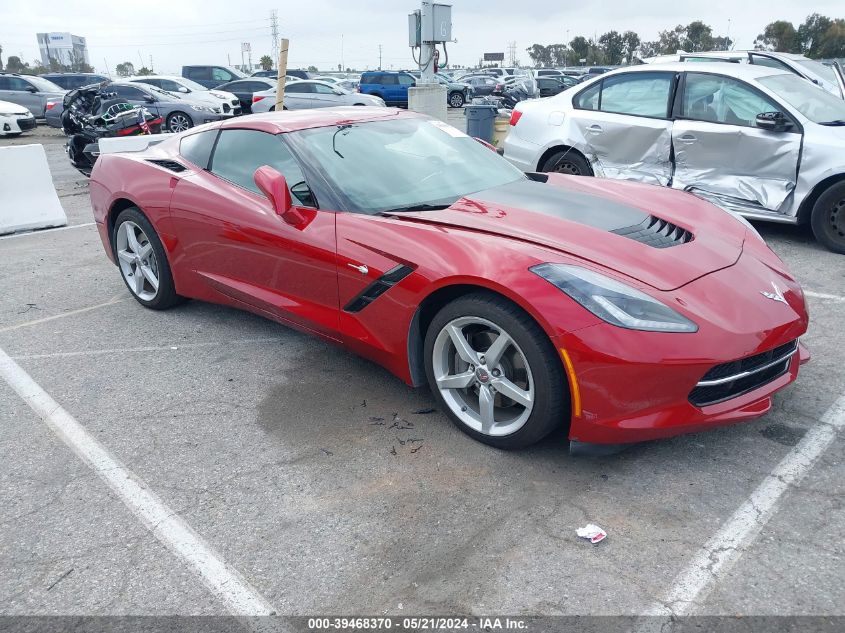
<point>516,115</point>
<point>128,131</point>
<point>51,105</point>
<point>256,98</point>
<point>499,87</point>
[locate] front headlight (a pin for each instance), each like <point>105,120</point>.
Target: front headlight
<point>613,301</point>
<point>200,108</point>
<point>218,95</point>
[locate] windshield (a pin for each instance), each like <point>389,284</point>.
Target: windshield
<point>813,102</point>
<point>825,75</point>
<point>384,165</point>
<point>45,85</point>
<point>190,85</point>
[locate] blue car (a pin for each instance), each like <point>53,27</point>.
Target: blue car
<point>391,86</point>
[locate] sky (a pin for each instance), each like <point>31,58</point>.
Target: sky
<point>325,33</point>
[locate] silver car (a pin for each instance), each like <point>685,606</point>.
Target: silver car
<point>179,86</point>
<point>754,140</point>
<point>310,93</point>
<point>28,91</point>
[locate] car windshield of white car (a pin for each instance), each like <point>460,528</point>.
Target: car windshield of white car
<point>813,102</point>
<point>404,163</point>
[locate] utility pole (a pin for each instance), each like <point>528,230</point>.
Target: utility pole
<point>280,82</point>
<point>151,64</point>
<point>512,53</point>
<point>379,56</point>
<point>274,29</point>
<point>342,65</point>
<point>141,59</point>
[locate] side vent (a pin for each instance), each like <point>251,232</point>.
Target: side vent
<point>170,165</point>
<point>656,232</point>
<point>378,288</point>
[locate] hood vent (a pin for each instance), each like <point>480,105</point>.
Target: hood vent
<point>656,232</point>
<point>171,165</point>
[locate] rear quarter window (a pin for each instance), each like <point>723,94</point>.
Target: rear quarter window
<point>197,147</point>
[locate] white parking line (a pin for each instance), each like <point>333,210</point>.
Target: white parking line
<point>42,231</point>
<point>121,297</point>
<point>709,565</point>
<point>159,348</point>
<point>224,581</point>
<point>822,295</point>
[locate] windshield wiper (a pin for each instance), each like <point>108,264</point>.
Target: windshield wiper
<point>832,123</point>
<point>419,207</point>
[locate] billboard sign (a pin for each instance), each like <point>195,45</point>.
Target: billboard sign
<point>494,57</point>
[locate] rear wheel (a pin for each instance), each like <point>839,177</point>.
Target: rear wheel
<point>495,372</point>
<point>567,162</point>
<point>828,218</point>
<point>142,261</point>
<point>456,99</point>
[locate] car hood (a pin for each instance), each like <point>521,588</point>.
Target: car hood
<point>8,106</point>
<point>658,236</point>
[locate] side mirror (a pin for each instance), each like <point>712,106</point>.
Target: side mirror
<point>183,89</point>
<point>149,99</point>
<point>773,122</point>
<point>31,89</point>
<point>273,185</point>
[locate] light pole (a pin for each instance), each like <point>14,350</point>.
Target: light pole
<point>566,50</point>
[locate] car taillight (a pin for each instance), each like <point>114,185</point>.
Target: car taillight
<point>256,98</point>
<point>516,115</point>
<point>499,87</point>
<point>51,105</point>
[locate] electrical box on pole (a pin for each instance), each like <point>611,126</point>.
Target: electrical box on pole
<point>429,26</point>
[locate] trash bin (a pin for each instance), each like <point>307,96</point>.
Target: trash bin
<point>480,119</point>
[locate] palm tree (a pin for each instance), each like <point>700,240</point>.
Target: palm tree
<point>266,62</point>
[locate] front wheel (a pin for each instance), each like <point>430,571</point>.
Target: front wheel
<point>828,218</point>
<point>142,261</point>
<point>179,122</point>
<point>495,372</point>
<point>567,162</point>
<point>456,99</point>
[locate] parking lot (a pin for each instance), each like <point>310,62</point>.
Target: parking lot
<point>329,486</point>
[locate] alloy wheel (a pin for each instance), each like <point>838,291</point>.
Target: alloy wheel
<point>456,100</point>
<point>179,123</point>
<point>837,220</point>
<point>137,260</point>
<point>483,376</point>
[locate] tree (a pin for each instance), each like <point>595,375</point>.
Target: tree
<point>833,40</point>
<point>672,41</point>
<point>779,36</point>
<point>126,69</point>
<point>699,37</point>
<point>144,71</point>
<point>811,33</point>
<point>580,47</point>
<point>631,42</point>
<point>1,57</point>
<point>649,49</point>
<point>558,54</point>
<point>313,69</point>
<point>722,43</point>
<point>15,65</point>
<point>613,46</point>
<point>266,62</point>
<point>539,54</point>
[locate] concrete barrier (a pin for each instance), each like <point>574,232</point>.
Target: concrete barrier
<point>131,143</point>
<point>28,199</point>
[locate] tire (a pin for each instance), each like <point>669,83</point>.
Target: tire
<point>178,122</point>
<point>456,100</point>
<point>529,363</point>
<point>131,261</point>
<point>828,218</point>
<point>567,162</point>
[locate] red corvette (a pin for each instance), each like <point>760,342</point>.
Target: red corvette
<point>625,312</point>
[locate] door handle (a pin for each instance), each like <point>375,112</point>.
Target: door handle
<point>595,129</point>
<point>361,269</point>
<point>688,139</point>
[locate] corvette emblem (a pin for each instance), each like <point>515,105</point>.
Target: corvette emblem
<point>777,295</point>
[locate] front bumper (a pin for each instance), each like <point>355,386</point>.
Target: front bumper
<point>15,124</point>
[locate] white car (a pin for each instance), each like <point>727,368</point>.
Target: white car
<point>757,141</point>
<point>310,93</point>
<point>228,102</point>
<point>15,119</point>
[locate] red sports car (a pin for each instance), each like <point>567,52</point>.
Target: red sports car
<point>622,311</point>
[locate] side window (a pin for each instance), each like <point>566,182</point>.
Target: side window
<point>240,152</point>
<point>723,100</point>
<point>760,60</point>
<point>220,74</point>
<point>296,87</point>
<point>4,83</point>
<point>641,94</point>
<point>18,84</point>
<point>199,72</point>
<point>197,147</point>
<point>166,84</point>
<point>589,98</point>
<point>323,90</point>
<point>370,79</point>
<point>389,80</point>
<point>406,80</point>
<point>128,92</point>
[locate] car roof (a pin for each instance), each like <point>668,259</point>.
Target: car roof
<point>293,120</point>
<point>742,71</point>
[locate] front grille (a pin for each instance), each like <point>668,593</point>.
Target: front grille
<point>171,165</point>
<point>656,232</point>
<point>735,378</point>
<point>226,107</point>
<point>26,124</point>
